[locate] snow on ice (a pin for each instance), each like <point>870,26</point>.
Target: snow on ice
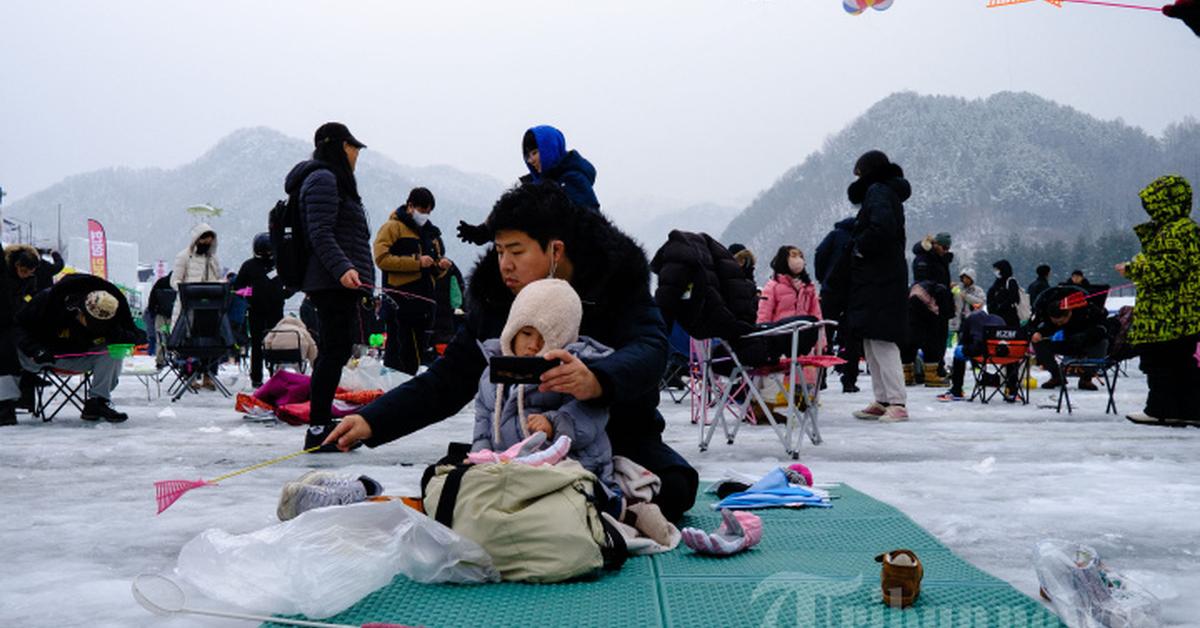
<point>78,518</point>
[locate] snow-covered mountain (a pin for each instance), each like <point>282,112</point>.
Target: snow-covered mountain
<point>1013,165</point>
<point>243,175</point>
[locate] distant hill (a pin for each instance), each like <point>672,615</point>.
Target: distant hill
<point>1010,166</point>
<point>243,175</point>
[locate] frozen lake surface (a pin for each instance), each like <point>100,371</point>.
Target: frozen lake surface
<point>78,516</point>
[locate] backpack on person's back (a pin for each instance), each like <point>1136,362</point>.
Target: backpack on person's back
<point>289,237</point>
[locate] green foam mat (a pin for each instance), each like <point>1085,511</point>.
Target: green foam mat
<point>814,567</point>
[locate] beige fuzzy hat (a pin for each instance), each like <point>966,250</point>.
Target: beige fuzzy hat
<point>101,305</point>
<point>549,306</point>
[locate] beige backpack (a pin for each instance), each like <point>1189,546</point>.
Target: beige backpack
<point>539,524</point>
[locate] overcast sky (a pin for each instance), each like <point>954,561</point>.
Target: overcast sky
<point>687,101</point>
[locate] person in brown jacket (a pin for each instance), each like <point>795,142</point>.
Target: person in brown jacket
<point>409,251</point>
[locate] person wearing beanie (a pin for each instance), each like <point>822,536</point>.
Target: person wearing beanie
<point>544,151</point>
<point>1166,320</point>
<point>266,295</point>
<point>544,317</point>
<point>928,329</point>
<point>340,270</point>
<point>410,252</point>
<point>81,314</point>
<point>1039,285</point>
<point>876,307</point>
<point>539,233</point>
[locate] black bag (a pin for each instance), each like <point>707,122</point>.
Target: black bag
<point>289,238</point>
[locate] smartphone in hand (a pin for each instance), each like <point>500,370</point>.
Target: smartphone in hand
<point>519,370</point>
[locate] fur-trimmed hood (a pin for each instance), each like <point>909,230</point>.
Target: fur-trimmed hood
<point>610,269</point>
<point>12,250</point>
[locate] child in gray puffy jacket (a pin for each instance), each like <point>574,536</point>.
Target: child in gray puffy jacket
<point>545,316</point>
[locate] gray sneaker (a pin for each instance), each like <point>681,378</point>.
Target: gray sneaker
<point>317,489</point>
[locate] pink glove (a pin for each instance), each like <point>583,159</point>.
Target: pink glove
<point>739,530</point>
<point>525,452</point>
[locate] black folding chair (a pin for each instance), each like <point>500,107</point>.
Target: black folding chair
<point>202,337</point>
<point>65,388</point>
<point>1108,368</point>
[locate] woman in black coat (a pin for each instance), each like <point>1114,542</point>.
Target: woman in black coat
<point>877,306</point>
<point>1005,294</point>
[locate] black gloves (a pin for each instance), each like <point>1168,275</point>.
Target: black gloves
<point>43,356</point>
<point>474,234</point>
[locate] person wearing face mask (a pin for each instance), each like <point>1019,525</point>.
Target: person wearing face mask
<point>790,291</point>
<point>197,263</point>
<point>409,251</point>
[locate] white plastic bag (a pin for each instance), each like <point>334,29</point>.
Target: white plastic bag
<point>327,559</point>
<point>1086,594</point>
<point>368,373</point>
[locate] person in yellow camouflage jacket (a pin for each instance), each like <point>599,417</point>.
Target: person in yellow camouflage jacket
<point>1166,316</point>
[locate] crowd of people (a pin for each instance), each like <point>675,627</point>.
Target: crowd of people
<point>548,247</point>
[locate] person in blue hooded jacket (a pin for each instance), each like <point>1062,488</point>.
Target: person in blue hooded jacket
<point>544,150</point>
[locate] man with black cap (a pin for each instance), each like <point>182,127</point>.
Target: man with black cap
<point>410,252</point>
<point>81,314</point>
<point>339,271</point>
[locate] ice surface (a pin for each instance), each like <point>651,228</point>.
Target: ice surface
<point>78,520</point>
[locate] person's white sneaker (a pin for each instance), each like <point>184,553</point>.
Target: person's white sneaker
<point>872,412</point>
<point>894,414</point>
<point>317,489</point>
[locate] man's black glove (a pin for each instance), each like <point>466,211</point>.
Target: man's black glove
<point>43,356</point>
<point>474,234</point>
<point>1186,10</point>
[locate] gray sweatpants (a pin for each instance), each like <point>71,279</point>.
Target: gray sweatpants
<point>106,371</point>
<point>887,374</point>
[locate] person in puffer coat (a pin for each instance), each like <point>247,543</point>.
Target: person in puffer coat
<point>197,262</point>
<point>1166,318</point>
<point>877,306</point>
<point>545,316</point>
<point>544,151</point>
<point>340,264</point>
<point>1005,294</point>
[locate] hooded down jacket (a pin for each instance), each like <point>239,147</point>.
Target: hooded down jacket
<point>1167,271</point>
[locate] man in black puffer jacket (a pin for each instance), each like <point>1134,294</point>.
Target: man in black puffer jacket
<point>540,233</point>
<point>340,263</point>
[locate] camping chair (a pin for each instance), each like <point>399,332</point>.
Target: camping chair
<point>678,365</point>
<point>202,338</point>
<point>730,386</point>
<point>66,387</point>
<point>1004,347</point>
<point>1107,367</point>
<point>275,359</point>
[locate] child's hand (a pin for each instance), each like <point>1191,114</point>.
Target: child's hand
<point>539,423</point>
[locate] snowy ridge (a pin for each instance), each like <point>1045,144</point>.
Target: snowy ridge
<point>1010,165</point>
<point>243,175</point>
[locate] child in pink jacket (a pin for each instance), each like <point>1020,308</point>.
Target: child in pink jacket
<point>790,292</point>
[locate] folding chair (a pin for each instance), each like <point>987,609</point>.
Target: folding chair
<point>678,365</point>
<point>732,395</point>
<point>275,359</point>
<point>1004,348</point>
<point>66,387</point>
<point>1108,368</point>
<point>202,338</point>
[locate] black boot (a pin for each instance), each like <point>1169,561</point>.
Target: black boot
<point>8,412</point>
<point>96,408</point>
